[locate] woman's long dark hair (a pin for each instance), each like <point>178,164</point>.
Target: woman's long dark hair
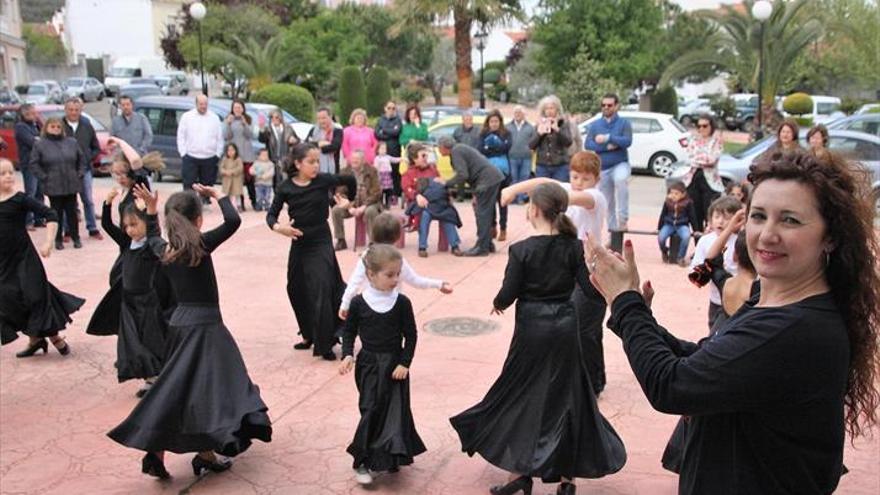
<point>297,153</point>
<point>502,131</point>
<point>846,204</point>
<point>244,114</point>
<point>182,210</point>
<point>552,201</point>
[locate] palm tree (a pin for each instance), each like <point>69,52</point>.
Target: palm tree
<point>735,45</point>
<point>464,14</point>
<point>260,64</point>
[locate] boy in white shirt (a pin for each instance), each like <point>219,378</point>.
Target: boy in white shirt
<point>587,209</point>
<point>720,212</point>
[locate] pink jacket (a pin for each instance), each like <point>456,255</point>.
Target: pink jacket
<point>362,138</point>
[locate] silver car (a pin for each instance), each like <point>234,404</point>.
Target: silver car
<point>87,88</point>
<point>44,93</point>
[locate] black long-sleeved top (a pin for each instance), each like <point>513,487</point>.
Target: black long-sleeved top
<point>381,332</point>
<point>544,268</point>
<point>388,131</point>
<point>764,394</point>
<point>309,206</point>
<point>14,238</point>
<point>198,284</point>
<point>139,265</point>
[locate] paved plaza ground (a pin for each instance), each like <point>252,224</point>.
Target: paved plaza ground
<point>55,411</point>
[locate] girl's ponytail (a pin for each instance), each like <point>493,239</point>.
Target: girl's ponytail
<point>552,201</point>
<point>564,225</point>
<point>182,211</point>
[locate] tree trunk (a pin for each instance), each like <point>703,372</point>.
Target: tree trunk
<point>463,21</point>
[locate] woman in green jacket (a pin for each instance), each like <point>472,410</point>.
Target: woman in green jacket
<point>413,128</point>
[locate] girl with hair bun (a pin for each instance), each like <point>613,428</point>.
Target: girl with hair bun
<point>540,419</point>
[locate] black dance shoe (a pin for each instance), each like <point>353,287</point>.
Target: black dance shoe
<point>341,245</point>
<point>329,356</point>
<point>59,245</point>
<point>33,348</point>
<point>63,349</point>
<point>153,466</point>
<point>565,488</point>
<point>302,346</point>
<point>523,484</point>
<point>218,466</point>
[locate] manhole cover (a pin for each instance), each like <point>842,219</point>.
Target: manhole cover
<point>460,327</point>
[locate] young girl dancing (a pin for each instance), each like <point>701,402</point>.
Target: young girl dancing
<point>386,436</point>
<point>28,302</point>
<point>386,230</point>
<point>314,283</point>
<point>204,400</point>
<point>140,347</point>
<point>540,418</point>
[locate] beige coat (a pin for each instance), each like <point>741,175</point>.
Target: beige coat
<point>232,174</point>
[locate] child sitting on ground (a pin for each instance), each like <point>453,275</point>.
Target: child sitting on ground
<point>677,217</point>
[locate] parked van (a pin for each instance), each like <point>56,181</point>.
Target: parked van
<point>826,109</point>
<point>124,69</point>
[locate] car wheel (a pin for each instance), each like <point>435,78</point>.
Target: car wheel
<point>687,121</point>
<point>661,163</point>
<point>101,96</point>
<point>184,92</point>
<point>749,125</point>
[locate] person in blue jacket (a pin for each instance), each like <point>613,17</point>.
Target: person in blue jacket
<point>610,136</point>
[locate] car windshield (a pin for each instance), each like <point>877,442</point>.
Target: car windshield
<point>74,83</point>
<point>827,108</point>
<point>122,72</point>
<point>755,147</point>
<point>36,89</point>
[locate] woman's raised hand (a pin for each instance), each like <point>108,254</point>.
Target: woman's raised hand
<point>611,273</point>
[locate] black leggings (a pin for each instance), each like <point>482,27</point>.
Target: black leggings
<point>702,195</point>
<point>65,207</point>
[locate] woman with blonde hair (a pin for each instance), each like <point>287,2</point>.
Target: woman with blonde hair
<point>552,140</point>
<point>357,136</point>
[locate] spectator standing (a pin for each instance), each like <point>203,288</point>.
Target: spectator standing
<point>610,136</point>
<point>520,155</point>
<point>237,130</point>
<point>388,131</point>
<point>59,163</point>
<point>279,137</point>
<point>472,167</point>
<point>468,133</point>
<point>494,145</point>
<point>367,201</point>
<point>263,173</point>
<point>702,180</point>
<point>329,140</point>
<point>131,127</point>
<point>413,129</point>
<point>551,140</point>
<point>357,136</point>
<point>200,144</point>
<point>27,131</point>
<point>81,129</point>
<point>231,175</point>
<point>817,138</point>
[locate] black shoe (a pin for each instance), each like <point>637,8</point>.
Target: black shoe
<point>491,247</point>
<point>329,356</point>
<point>302,346</point>
<point>423,253</point>
<point>153,466</point>
<point>341,245</point>
<point>77,244</point>
<point>201,465</point>
<point>64,349</point>
<point>475,251</point>
<point>59,245</point>
<point>32,349</point>
<point>456,251</point>
<point>523,484</point>
<point>664,255</point>
<point>565,488</point>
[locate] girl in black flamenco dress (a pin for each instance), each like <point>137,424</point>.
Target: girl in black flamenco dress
<point>540,419</point>
<point>28,302</point>
<point>203,400</point>
<point>314,282</point>
<point>386,436</point>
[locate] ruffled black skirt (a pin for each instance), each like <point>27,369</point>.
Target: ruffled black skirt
<point>540,417</point>
<point>28,302</point>
<point>386,435</point>
<point>203,399</point>
<point>105,318</point>
<point>140,348</point>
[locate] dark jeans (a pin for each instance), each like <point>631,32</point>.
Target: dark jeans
<point>395,179</point>
<point>199,171</point>
<point>502,210</point>
<point>33,190</point>
<point>590,315</point>
<point>484,211</point>
<point>684,235</point>
<point>702,196</point>
<point>65,207</point>
<point>557,172</point>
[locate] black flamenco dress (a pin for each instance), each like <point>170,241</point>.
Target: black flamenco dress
<point>386,436</point>
<point>540,418</point>
<point>140,347</point>
<point>203,399</point>
<point>28,302</point>
<point>314,282</point>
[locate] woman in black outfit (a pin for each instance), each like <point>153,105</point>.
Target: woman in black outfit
<point>204,400</point>
<point>540,419</point>
<point>314,283</point>
<point>772,394</point>
<point>59,164</point>
<point>28,302</point>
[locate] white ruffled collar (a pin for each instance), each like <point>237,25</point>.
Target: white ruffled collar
<point>378,300</point>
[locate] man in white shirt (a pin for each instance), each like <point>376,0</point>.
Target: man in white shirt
<point>200,144</point>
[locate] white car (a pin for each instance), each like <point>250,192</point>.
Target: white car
<point>658,140</point>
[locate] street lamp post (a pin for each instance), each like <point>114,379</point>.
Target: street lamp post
<point>481,45</point>
<point>198,12</point>
<point>761,10</point>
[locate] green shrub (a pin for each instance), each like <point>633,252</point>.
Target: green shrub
<point>295,99</point>
<point>804,122</point>
<point>498,92</point>
<point>378,90</point>
<point>411,94</point>
<point>873,110</point>
<point>490,76</point>
<point>352,93</point>
<point>798,104</point>
<point>849,105</point>
<point>664,100</point>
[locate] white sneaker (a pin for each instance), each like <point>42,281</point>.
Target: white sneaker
<point>363,476</point>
